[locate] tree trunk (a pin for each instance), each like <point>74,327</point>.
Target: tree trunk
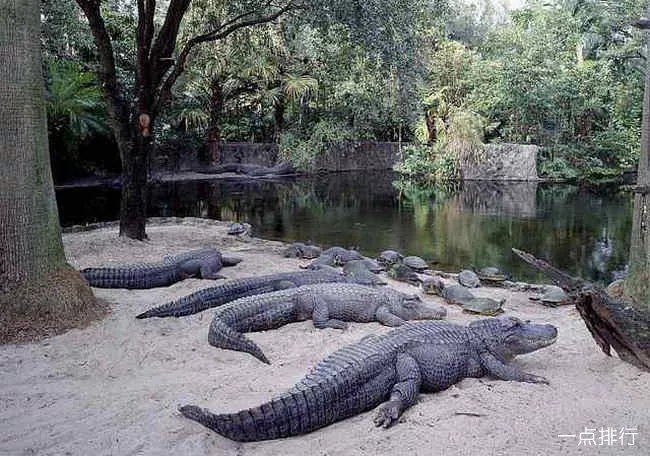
<point>38,290</point>
<point>432,132</point>
<point>214,130</point>
<point>637,284</point>
<point>278,116</point>
<point>135,170</point>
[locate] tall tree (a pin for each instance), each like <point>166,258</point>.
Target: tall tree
<point>158,67</point>
<point>638,281</point>
<point>37,288</point>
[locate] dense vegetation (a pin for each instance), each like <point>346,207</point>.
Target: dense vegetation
<point>564,74</point>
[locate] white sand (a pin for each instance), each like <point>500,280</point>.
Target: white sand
<point>113,388</point>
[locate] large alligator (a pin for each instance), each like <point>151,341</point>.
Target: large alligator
<point>390,369</point>
<point>251,169</point>
<point>239,288</point>
<point>203,263</point>
<point>329,305</point>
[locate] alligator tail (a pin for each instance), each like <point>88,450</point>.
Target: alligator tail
<point>187,305</point>
<point>223,336</point>
<point>277,418</point>
<point>229,323</point>
<point>210,297</point>
<point>132,277</point>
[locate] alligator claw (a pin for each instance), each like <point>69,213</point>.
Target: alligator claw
<point>387,414</point>
<point>530,378</point>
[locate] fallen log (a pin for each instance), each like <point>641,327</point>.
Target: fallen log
<point>613,323</point>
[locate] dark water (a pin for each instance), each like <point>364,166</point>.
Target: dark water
<point>473,225</point>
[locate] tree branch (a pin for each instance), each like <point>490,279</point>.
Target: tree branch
<point>145,30</point>
<point>220,33</point>
<point>165,43</point>
<point>117,108</point>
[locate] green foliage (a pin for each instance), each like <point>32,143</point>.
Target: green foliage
<point>558,168</point>
<point>74,103</point>
<point>302,152</point>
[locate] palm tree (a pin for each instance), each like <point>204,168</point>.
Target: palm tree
<point>38,290</point>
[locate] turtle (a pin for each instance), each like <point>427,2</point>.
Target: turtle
<point>456,294</point>
<point>341,255</point>
<point>403,273</point>
<point>293,251</point>
<point>469,279</point>
<point>323,260</point>
<point>416,263</point>
<point>300,250</point>
<point>388,258</point>
<point>483,306</point>
<point>433,285</point>
<point>238,229</point>
<point>492,275</point>
<point>553,296</point>
<point>361,274</point>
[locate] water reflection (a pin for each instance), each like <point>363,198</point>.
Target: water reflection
<point>462,225</point>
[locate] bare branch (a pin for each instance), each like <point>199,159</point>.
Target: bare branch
<point>220,33</point>
<point>165,42</point>
<point>117,107</point>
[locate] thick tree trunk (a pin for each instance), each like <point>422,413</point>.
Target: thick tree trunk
<point>38,291</point>
<point>637,284</point>
<point>135,171</point>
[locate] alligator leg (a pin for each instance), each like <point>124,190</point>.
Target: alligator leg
<point>384,317</point>
<point>404,393</point>
<point>320,313</point>
<point>208,272</point>
<point>503,371</point>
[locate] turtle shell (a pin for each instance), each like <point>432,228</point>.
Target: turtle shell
<point>415,262</point>
<point>483,306</point>
<point>433,286</point>
<point>388,258</point>
<point>555,296</point>
<point>404,274</point>
<point>468,279</point>
<point>491,274</point>
<point>456,294</point>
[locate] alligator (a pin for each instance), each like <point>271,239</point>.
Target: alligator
<point>203,263</point>
<point>391,370</point>
<point>329,305</point>
<point>238,288</point>
<point>251,169</point>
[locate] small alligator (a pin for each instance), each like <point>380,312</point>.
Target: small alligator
<point>203,263</point>
<point>238,288</point>
<point>329,305</point>
<point>390,369</point>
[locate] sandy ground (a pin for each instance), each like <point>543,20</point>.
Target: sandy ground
<point>113,388</point>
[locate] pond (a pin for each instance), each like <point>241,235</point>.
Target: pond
<point>473,224</point>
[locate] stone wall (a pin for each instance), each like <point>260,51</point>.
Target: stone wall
<point>265,154</point>
<point>344,156</point>
<point>502,162</point>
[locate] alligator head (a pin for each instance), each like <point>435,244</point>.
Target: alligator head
<point>509,336</point>
<point>411,307</point>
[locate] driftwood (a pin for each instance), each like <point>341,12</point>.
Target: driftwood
<point>613,323</point>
